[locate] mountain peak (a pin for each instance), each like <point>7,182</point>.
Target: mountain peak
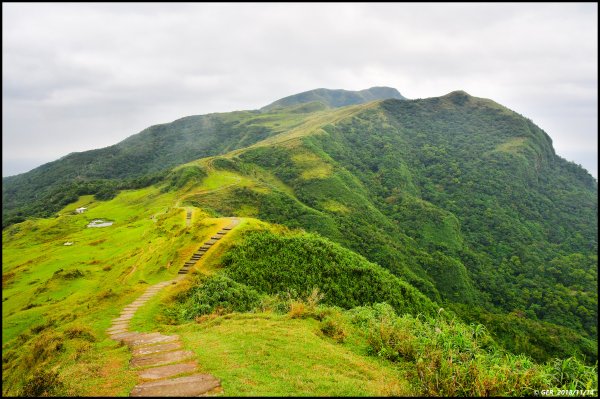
<point>336,98</point>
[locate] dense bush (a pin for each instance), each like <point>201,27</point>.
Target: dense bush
<point>273,264</point>
<point>213,294</point>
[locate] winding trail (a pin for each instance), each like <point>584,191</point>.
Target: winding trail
<point>164,368</point>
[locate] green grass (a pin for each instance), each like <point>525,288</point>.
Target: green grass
<point>50,286</point>
<point>513,145</point>
<point>271,355</point>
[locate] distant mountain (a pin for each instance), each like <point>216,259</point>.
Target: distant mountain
<point>161,147</point>
<point>336,98</point>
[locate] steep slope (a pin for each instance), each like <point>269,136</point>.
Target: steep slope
<point>142,157</point>
<point>250,318</point>
<point>335,98</point>
<point>64,282</point>
<point>460,196</point>
<point>153,150</point>
<point>457,195</point>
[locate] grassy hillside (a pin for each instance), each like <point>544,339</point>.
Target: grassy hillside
<point>143,158</point>
<point>452,202</point>
<point>58,300</point>
<point>418,187</point>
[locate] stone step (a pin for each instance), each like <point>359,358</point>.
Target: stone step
<point>227,228</point>
<point>150,349</point>
<point>127,312</point>
<point>157,373</point>
<point>115,329</point>
<point>126,336</point>
<point>192,385</point>
<point>210,242</point>
<point>153,338</point>
<point>161,358</point>
<point>215,237</point>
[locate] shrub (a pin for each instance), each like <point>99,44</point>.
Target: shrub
<point>297,310</point>
<point>81,332</point>
<point>334,326</point>
<point>209,293</point>
<point>42,383</point>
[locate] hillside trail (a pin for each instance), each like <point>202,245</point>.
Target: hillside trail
<point>164,368</point>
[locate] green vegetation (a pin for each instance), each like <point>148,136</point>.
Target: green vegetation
<point>332,98</point>
<point>58,300</point>
<point>275,264</point>
<point>453,202</point>
<point>459,196</point>
<point>266,354</point>
<point>434,355</point>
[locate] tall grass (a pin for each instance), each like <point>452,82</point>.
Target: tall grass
<point>452,358</point>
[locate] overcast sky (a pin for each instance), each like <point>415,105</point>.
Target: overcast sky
<point>82,76</point>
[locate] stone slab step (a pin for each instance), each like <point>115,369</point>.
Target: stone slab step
<point>157,373</point>
<point>158,359</point>
<point>215,237</point>
<point>119,330</point>
<point>192,385</point>
<point>150,349</point>
<point>124,336</point>
<point>153,338</point>
<point>127,312</point>
<point>210,242</point>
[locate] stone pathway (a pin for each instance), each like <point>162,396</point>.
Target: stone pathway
<point>188,218</point>
<point>164,368</point>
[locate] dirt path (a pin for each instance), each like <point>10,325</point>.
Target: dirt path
<point>164,368</point>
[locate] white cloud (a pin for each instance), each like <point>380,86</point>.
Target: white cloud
<point>82,76</point>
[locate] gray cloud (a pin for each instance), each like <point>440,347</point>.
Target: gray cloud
<point>83,76</point>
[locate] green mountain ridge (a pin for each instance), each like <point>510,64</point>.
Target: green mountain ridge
<point>451,201</point>
<point>335,98</point>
